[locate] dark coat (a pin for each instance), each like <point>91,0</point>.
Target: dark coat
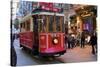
<point>13,55</point>
<point>83,38</point>
<point>93,40</point>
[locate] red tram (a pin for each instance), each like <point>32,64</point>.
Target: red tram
<point>43,33</point>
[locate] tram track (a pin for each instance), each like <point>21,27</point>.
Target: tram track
<point>43,60</point>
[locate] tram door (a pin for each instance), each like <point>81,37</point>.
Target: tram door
<point>36,38</point>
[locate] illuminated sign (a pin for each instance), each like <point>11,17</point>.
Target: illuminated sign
<point>48,7</point>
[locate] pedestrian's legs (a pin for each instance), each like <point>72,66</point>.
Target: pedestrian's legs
<point>68,44</point>
<point>13,53</point>
<point>72,45</point>
<point>81,44</point>
<point>96,48</point>
<point>93,49</point>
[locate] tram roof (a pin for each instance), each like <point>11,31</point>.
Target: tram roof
<point>46,12</point>
<point>41,12</point>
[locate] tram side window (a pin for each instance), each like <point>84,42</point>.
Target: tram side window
<point>28,25</point>
<point>42,23</point>
<point>62,20</point>
<point>22,25</point>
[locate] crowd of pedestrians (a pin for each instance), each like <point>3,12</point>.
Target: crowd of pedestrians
<point>82,40</point>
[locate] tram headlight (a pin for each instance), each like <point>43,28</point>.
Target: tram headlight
<point>55,41</point>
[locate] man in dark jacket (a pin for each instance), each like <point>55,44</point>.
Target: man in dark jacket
<point>13,52</point>
<point>82,40</point>
<point>93,42</point>
<point>69,41</point>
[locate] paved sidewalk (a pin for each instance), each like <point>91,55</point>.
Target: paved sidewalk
<point>78,54</point>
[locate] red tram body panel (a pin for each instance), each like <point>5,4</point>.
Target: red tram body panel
<point>26,39</point>
<point>47,47</point>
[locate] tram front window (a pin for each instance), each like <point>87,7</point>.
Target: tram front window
<point>56,24</point>
<point>58,27</point>
<point>51,23</point>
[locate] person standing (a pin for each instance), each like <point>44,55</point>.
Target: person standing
<point>69,41</point>
<point>13,55</point>
<point>93,42</point>
<point>72,42</point>
<point>82,40</point>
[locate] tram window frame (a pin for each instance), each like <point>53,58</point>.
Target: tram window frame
<point>51,23</point>
<point>48,23</point>
<point>42,23</point>
<point>63,25</point>
<point>27,25</point>
<point>22,25</point>
<point>58,26</point>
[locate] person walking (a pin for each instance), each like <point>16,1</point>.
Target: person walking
<point>93,42</point>
<point>69,41</point>
<point>72,42</point>
<point>82,40</point>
